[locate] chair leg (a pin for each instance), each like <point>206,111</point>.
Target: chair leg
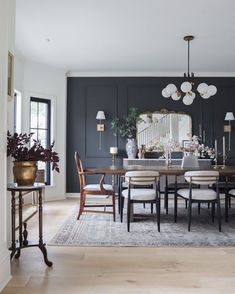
<point>219,214</point>
<point>151,208</point>
<point>121,208</point>
<point>128,214</point>
<point>175,207</point>
<point>213,211</point>
<point>81,207</point>
<point>114,211</point>
<point>208,205</point>
<point>158,213</point>
<point>143,205</point>
<point>226,208</point>
<point>199,208</point>
<point>166,199</point>
<point>229,201</point>
<point>189,214</point>
<point>186,204</point>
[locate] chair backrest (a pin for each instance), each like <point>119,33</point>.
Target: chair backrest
<point>142,178</point>
<point>80,169</point>
<point>190,161</point>
<point>202,177</point>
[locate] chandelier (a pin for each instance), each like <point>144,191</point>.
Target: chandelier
<point>188,88</point>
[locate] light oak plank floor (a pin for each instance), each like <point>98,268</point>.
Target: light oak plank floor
<point>118,270</point>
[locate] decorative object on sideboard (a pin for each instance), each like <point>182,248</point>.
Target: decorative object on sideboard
<point>228,128</point>
<point>113,151</point>
<point>127,129</point>
<point>188,87</point>
<point>196,147</point>
<point>100,127</point>
<point>141,152</point>
<point>26,152</point>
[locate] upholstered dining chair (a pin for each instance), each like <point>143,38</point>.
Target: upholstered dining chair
<point>188,161</point>
<point>135,193</point>
<point>204,194</point>
<point>100,189</point>
<point>229,193</point>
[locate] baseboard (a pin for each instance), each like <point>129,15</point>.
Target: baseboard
<point>73,195</point>
<point>5,272</point>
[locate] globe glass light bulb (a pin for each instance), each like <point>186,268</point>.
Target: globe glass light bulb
<point>170,89</point>
<point>212,90</point>
<point>187,100</point>
<point>176,96</point>
<point>186,87</point>
<point>205,96</point>
<point>164,94</point>
<point>202,88</point>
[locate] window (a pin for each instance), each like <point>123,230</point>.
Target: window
<point>40,124</point>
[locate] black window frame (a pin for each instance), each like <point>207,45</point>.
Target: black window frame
<point>48,141</point>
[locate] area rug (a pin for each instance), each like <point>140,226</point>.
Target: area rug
<point>100,230</point>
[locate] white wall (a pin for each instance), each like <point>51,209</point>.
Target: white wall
<point>42,81</point>
<point>7,16</point>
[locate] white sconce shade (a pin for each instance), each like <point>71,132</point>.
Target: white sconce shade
<point>100,115</point>
<point>229,116</point>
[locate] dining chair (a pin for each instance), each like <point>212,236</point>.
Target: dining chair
<point>188,161</point>
<point>135,193</point>
<point>204,194</point>
<point>100,189</point>
<point>229,193</point>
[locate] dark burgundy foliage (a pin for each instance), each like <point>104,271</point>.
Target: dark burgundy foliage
<point>19,147</point>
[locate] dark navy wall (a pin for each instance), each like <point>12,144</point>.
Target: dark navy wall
<point>114,95</point>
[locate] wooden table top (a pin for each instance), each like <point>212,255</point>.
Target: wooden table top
<point>163,170</point>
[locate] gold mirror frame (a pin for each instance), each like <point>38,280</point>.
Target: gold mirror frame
<point>158,142</point>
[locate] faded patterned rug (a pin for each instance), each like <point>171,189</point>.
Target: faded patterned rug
<point>100,230</point>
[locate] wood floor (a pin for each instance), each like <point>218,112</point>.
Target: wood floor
<point>118,270</point>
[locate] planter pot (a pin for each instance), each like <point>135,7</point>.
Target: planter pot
<point>25,172</point>
<point>131,148</point>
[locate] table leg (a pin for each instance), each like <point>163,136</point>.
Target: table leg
<point>13,211</point>
<point>20,224</point>
<point>119,194</point>
<point>41,245</point>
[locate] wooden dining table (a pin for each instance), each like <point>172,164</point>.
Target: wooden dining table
<point>171,170</point>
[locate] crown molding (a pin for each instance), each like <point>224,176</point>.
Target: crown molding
<point>146,74</point>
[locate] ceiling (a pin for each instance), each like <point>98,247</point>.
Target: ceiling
<point>128,36</point>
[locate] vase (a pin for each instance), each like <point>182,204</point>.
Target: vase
<point>25,172</point>
<point>131,148</point>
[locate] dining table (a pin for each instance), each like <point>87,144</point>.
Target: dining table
<point>119,171</point>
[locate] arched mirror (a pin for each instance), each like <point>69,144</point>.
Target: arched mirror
<point>156,129</point>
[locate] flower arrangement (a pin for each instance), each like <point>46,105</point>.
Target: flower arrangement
<point>200,149</point>
<point>20,148</point>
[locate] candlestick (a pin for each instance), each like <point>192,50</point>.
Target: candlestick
<point>216,154</point>
<point>204,137</point>
<point>224,153</point>
<point>223,145</point>
<point>216,150</point>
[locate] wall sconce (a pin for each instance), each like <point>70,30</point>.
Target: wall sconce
<point>227,128</point>
<point>100,127</point>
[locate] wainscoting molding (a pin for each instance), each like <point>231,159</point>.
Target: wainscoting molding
<point>114,95</point>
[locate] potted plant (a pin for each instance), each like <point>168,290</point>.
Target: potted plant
<point>26,152</point>
<point>127,129</point>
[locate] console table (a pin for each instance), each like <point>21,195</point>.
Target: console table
<point>23,233</point>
